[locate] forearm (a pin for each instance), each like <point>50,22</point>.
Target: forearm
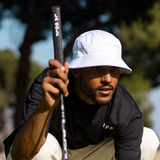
<point>30,138</point>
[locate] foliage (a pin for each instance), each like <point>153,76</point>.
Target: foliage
<point>141,49</point>
<point>77,16</point>
<point>141,44</point>
<point>8,70</point>
<point>8,67</point>
<point>36,69</point>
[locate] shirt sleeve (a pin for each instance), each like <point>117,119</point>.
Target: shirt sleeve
<point>128,140</point>
<point>33,99</point>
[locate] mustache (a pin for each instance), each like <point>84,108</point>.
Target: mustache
<point>106,86</point>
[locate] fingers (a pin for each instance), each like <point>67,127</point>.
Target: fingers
<point>56,80</point>
<point>56,64</point>
<point>59,71</point>
<point>55,86</point>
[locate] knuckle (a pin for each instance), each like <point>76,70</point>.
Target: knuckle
<point>59,81</point>
<point>44,86</point>
<point>45,80</point>
<point>57,93</point>
<point>51,62</point>
<point>57,70</point>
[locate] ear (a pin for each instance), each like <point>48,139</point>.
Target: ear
<point>75,72</point>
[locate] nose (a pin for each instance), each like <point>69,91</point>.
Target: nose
<point>106,79</point>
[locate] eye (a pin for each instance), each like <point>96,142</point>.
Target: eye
<point>115,69</point>
<point>98,68</point>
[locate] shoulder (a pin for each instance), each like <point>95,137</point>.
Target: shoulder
<point>41,76</point>
<point>124,107</point>
<point>125,114</point>
<point>123,96</point>
<point>35,88</point>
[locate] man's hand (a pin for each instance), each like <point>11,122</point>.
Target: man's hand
<point>56,81</point>
<point>30,137</point>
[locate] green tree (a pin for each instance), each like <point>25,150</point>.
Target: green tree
<point>8,71</point>
<point>141,48</point>
<point>8,68</point>
<point>141,44</point>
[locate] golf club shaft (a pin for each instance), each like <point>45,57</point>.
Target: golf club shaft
<point>58,52</point>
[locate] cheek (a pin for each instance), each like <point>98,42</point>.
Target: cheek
<point>94,83</point>
<point>114,82</point>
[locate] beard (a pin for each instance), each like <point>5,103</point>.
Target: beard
<point>91,93</point>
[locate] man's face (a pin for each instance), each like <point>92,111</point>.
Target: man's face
<point>97,84</point>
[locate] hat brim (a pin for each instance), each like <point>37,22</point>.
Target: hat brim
<point>91,61</point>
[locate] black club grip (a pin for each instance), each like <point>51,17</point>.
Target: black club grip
<point>57,33</point>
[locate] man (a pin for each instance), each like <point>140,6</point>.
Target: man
<point>102,119</point>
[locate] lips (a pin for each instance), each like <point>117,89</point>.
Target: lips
<point>105,90</point>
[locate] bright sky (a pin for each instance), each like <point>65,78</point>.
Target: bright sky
<point>11,36</point>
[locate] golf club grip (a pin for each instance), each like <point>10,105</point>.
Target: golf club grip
<point>57,39</point>
<point>57,33</point>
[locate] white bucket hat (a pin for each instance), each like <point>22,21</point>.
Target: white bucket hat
<point>98,48</point>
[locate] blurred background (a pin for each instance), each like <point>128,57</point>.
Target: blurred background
<point>26,45</point>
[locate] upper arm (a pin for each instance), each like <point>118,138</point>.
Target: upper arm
<point>128,140</point>
<point>33,99</point>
